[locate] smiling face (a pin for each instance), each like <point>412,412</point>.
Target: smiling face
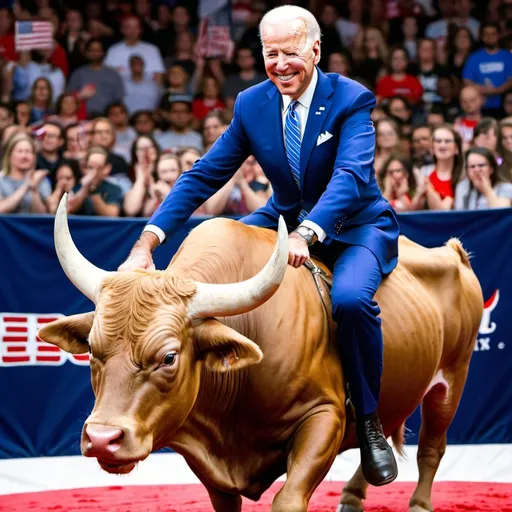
<point>290,58</point>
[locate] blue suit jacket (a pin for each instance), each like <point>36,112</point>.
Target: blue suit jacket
<point>337,186</point>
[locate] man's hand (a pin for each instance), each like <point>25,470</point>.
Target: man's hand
<point>298,251</point>
<point>140,257</point>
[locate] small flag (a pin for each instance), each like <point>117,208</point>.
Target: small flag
<point>33,35</point>
<point>214,34</point>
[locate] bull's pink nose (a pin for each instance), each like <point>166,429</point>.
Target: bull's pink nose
<point>102,440</point>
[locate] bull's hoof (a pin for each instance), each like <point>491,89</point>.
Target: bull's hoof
<point>417,508</point>
<point>347,508</point>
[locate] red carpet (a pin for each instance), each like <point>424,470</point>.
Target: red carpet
<point>448,497</point>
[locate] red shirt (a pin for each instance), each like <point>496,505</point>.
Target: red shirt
<point>442,187</point>
<point>466,127</point>
<point>410,87</point>
<point>200,109</point>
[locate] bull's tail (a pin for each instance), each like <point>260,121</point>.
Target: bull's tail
<point>398,438</point>
<point>456,245</point>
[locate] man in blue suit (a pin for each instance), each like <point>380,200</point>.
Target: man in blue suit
<point>313,137</point>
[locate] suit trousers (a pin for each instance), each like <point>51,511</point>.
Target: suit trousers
<point>356,278</point>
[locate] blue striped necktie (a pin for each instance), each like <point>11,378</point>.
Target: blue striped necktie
<point>292,143</point>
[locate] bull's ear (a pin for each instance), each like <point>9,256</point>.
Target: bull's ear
<point>224,349</point>
<point>69,333</point>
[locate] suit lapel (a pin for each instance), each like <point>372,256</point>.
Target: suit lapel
<point>273,122</point>
<point>317,115</point>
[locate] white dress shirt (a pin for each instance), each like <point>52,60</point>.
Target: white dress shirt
<point>302,111</point>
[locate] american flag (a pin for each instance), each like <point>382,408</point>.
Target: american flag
<point>33,35</point>
<point>214,35</point>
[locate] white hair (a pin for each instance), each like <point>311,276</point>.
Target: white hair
<point>286,13</point>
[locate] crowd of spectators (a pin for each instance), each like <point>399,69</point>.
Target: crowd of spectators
<point>125,101</point>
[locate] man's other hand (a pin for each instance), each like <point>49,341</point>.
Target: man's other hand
<point>298,251</point>
<point>138,259</point>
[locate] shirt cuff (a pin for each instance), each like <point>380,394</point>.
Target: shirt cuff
<point>320,233</point>
<point>156,231</point>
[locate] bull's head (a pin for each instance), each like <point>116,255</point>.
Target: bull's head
<point>152,337</point>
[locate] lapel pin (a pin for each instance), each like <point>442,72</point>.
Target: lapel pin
<point>321,108</point>
<point>318,113</point>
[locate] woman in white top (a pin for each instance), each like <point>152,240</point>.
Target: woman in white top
<point>483,188</point>
<point>22,189</point>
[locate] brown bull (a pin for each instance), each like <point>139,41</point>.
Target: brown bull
<point>257,391</point>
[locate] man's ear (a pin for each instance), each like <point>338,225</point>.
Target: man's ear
<point>69,333</point>
<point>224,349</point>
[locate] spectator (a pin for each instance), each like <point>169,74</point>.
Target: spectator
<point>41,100</point>
<point>507,103</point>
<point>471,103</point>
<point>460,46</point>
<point>180,132</point>
<point>487,134</point>
<point>400,111</point>
<point>6,117</point>
<point>209,98</point>
<point>67,110</point>
<point>143,122</point>
<point>410,37</point>
<point>118,55</point>
<point>95,83</point>
<point>94,195</point>
<point>66,177</point>
<point>23,113</point>
<point>347,30</point>
<point>179,81</point>
<point>388,141</point>
<point>441,181</point>
<point>76,143</point>
<point>246,76</point>
<point>331,40</point>
<point>452,13</point>
<point>145,155</point>
<point>398,82</point>
<point>339,62</point>
<point>446,90</point>
<point>483,187</point>
<point>41,67</point>
<point>214,125</point>
<point>490,69</point>
<point>421,147</point>
<point>117,114</point>
<point>22,189</point>
<point>184,55</point>
<point>187,156</point>
<point>7,45</point>
<point>398,186</point>
<point>103,135</point>
<point>506,134</point>
<point>370,55</point>
<point>74,38</point>
<point>435,118</point>
<point>142,93</point>
<point>428,71</point>
<point>51,142</point>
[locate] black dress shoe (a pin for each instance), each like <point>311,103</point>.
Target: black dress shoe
<point>377,459</point>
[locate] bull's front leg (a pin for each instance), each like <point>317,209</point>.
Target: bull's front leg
<point>224,502</point>
<point>311,454</point>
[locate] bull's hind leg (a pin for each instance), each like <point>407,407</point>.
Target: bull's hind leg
<point>311,454</point>
<point>437,411</point>
<point>354,493</point>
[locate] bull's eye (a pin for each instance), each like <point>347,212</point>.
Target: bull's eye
<point>169,359</point>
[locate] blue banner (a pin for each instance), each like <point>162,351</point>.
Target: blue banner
<point>46,393</point>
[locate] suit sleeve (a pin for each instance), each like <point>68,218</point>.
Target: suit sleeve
<point>207,176</point>
<point>353,166</point>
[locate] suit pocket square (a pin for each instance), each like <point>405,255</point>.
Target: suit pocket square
<point>323,137</point>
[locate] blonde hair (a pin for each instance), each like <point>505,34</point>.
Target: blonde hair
<point>286,13</point>
<point>9,147</point>
<point>168,156</point>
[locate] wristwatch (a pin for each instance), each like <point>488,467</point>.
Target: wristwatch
<point>308,234</point>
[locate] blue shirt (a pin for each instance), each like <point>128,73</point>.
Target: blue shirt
<point>489,69</point>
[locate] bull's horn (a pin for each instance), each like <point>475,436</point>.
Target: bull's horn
<point>81,272</point>
<point>236,298</point>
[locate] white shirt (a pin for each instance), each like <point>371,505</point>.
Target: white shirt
<point>118,58</point>
<point>302,111</point>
